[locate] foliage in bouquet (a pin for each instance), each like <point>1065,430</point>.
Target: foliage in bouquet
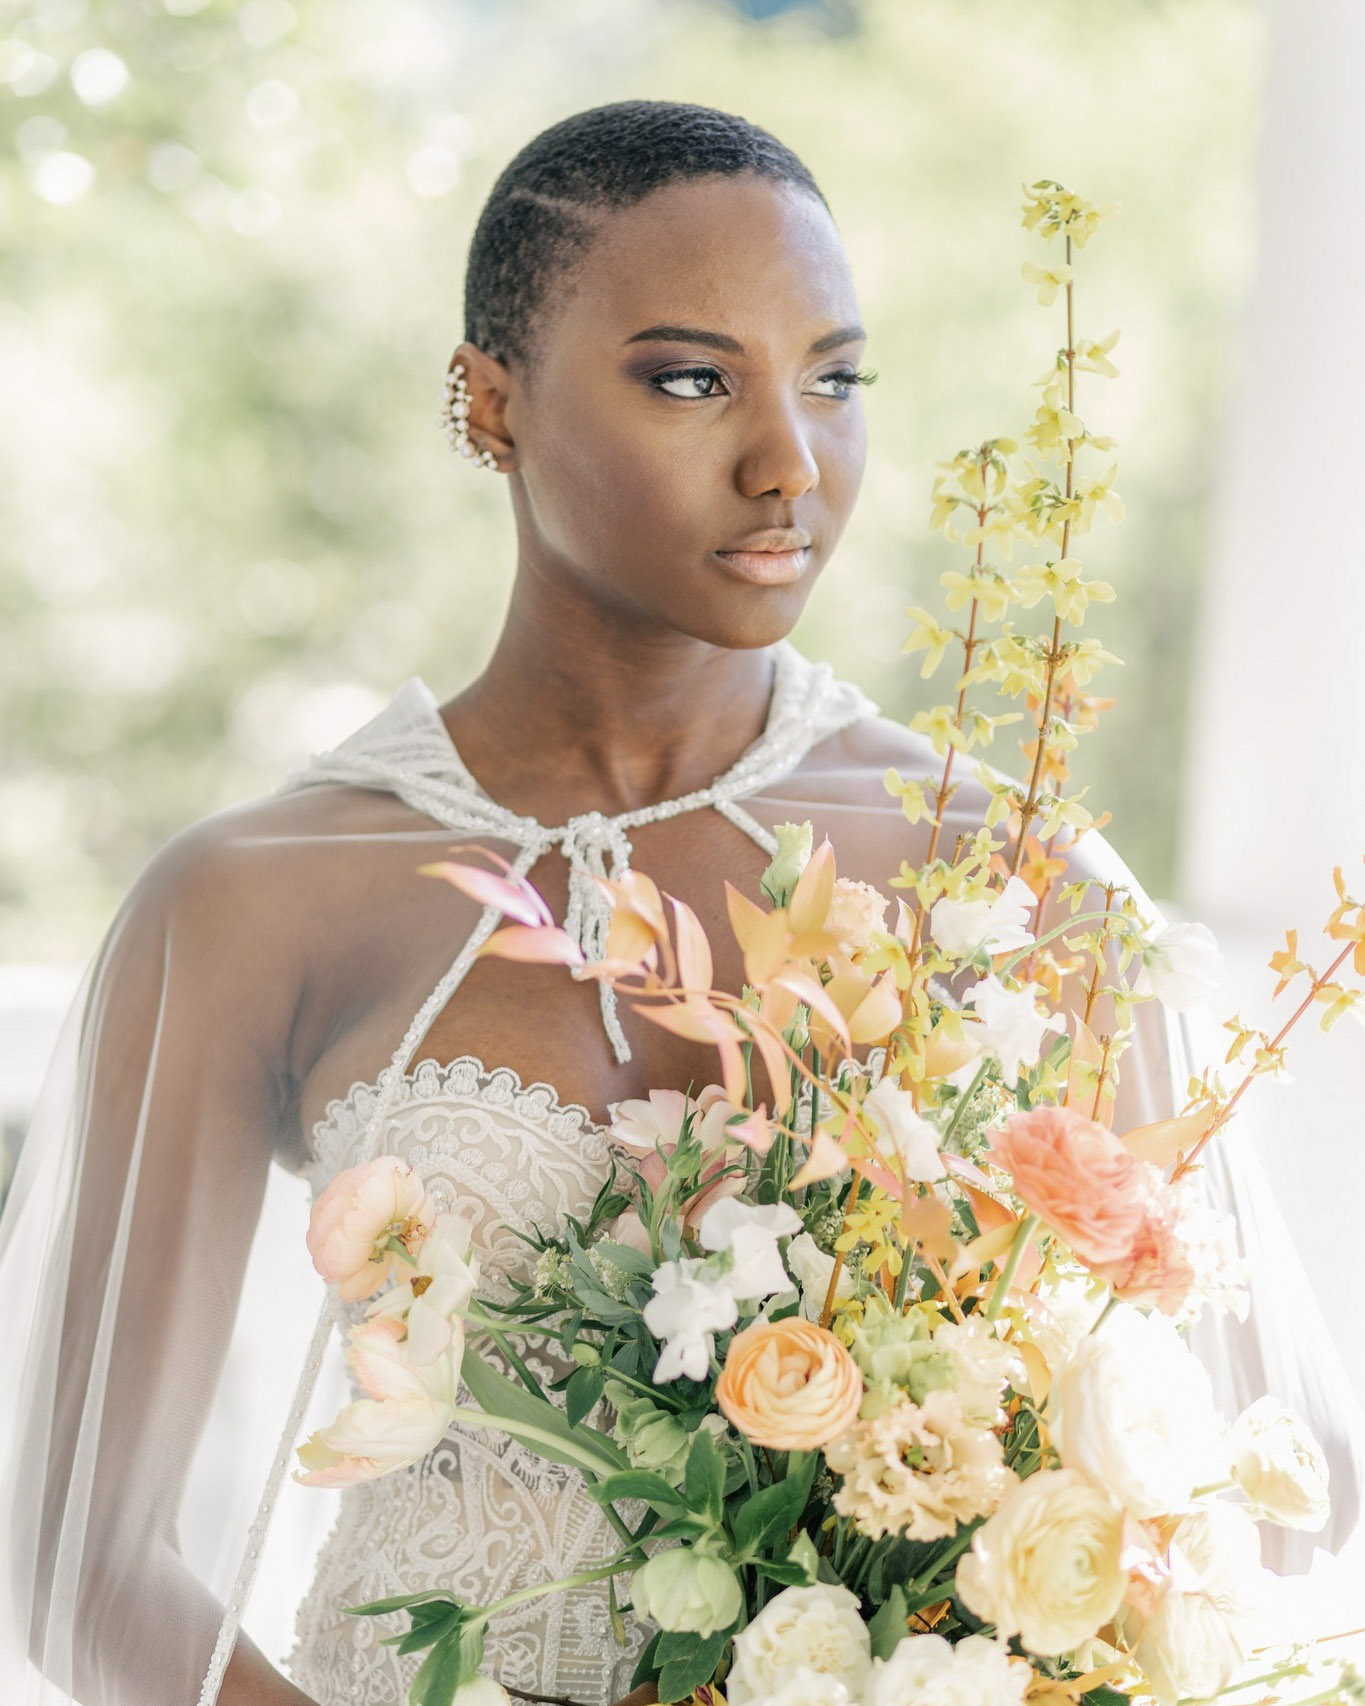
<point>889,1318</point>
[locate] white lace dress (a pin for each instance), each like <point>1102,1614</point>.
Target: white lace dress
<point>480,1515</point>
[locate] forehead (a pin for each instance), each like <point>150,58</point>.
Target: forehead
<point>753,257</point>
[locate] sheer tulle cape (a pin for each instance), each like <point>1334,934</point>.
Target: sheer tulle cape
<point>165,1342</point>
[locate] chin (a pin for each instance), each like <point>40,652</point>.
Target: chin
<point>755,618</point>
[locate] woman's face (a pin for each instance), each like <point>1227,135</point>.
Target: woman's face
<point>690,399</point>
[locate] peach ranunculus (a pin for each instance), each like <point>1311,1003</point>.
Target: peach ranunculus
<point>1156,1271</point>
<point>1077,1177</point>
<point>789,1384</point>
<point>358,1219</point>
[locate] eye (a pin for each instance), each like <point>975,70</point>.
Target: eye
<point>845,381</point>
<point>706,377</point>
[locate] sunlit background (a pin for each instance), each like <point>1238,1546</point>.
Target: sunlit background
<point>232,238</point>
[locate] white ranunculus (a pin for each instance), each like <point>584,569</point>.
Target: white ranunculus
<point>1067,1308</point>
<point>1181,966</point>
<point>818,1627</point>
<point>1012,1024</point>
<point>1279,1465</point>
<point>1045,1565</point>
<point>750,1233</point>
<point>1207,1618</point>
<point>1133,1409</point>
<point>995,924</point>
<point>897,1123</point>
<point>929,1671</point>
<point>481,1691</point>
<point>812,1268</point>
<point>806,1687</point>
<point>689,1306</point>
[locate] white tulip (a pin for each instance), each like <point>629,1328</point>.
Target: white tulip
<point>1279,1465</point>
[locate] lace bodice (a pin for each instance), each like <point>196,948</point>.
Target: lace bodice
<point>480,1515</point>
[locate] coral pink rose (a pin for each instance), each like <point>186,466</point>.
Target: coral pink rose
<point>789,1384</point>
<point>360,1215</point>
<point>1077,1178</point>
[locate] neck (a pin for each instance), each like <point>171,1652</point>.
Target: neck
<point>583,706</point>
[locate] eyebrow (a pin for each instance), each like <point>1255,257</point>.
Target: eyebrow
<point>722,340</point>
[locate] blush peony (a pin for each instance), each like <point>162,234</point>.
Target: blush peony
<point>360,1216</point>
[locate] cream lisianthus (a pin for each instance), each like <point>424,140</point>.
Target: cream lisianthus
<point>984,1364</point>
<point>1133,1409</point>
<point>1279,1465</point>
<point>818,1628</point>
<point>1046,1565</point>
<point>920,1470</point>
<point>857,914</point>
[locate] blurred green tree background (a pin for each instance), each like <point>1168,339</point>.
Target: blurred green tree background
<point>232,238</point>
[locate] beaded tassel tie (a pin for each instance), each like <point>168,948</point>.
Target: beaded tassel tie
<point>455,418</point>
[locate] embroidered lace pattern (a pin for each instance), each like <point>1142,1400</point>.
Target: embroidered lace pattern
<point>480,1516</point>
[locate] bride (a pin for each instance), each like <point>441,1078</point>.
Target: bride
<point>661,359</point>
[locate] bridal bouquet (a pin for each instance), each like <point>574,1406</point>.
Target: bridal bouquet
<point>888,1319</point>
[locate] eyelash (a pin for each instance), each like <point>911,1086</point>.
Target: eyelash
<point>850,377</point>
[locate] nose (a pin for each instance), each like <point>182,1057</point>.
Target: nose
<point>777,457</point>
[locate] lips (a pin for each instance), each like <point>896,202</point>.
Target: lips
<point>775,557</point>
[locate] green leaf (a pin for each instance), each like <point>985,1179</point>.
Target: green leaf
<point>785,1571</point>
<point>637,1484</point>
<point>644,1665</point>
<point>887,1625</point>
<point>505,1401</point>
<point>704,1478</point>
<point>582,1392</point>
<point>680,1676</point>
<point>632,1261</point>
<point>402,1602</point>
<point>1106,1696</point>
<point>775,1508</point>
<point>452,1662</point>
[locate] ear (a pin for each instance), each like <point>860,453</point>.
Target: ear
<point>489,386</point>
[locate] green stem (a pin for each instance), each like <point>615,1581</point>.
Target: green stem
<point>963,1100</point>
<point>611,1567</point>
<point>1291,1668</point>
<point>1008,965</point>
<point>1007,1273</point>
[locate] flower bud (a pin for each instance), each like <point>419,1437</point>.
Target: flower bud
<point>686,1590</point>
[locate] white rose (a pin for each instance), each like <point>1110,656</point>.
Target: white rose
<point>818,1627</point>
<point>1067,1309</point>
<point>1133,1409</point>
<point>1012,1025</point>
<point>812,1268</point>
<point>894,1119</point>
<point>750,1233</point>
<point>1045,1566</point>
<point>997,924</point>
<point>1279,1465</point>
<point>1181,966</point>
<point>929,1671</point>
<point>481,1691</point>
<point>806,1687</point>
<point>1208,1616</point>
<point>690,1305</point>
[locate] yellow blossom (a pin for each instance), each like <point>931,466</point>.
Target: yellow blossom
<point>941,728</point>
<point>1092,355</point>
<point>1048,279</point>
<point>929,637</point>
<point>1098,493</point>
<point>1062,580</point>
<point>987,586</point>
<point>911,794</point>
